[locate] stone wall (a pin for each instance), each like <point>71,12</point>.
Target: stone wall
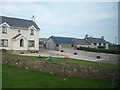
<point>59,68</point>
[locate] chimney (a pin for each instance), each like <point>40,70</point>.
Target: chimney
<point>102,37</point>
<point>86,36</point>
<point>33,18</point>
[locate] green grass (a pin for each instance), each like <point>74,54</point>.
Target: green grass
<point>14,77</point>
<point>80,62</point>
<point>0,75</point>
<point>74,61</point>
<point>87,63</point>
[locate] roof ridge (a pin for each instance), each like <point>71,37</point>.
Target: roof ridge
<point>18,22</point>
<point>16,18</point>
<point>63,37</point>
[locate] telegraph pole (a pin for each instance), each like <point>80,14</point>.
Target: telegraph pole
<point>116,40</point>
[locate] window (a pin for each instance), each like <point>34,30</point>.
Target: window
<point>99,44</point>
<point>32,32</point>
<point>4,29</point>
<point>21,42</point>
<point>72,45</point>
<point>95,44</point>
<point>4,42</point>
<point>31,43</point>
<point>104,44</point>
<point>57,45</point>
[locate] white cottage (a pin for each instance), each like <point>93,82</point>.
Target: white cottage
<point>97,42</point>
<point>19,35</point>
<point>91,42</point>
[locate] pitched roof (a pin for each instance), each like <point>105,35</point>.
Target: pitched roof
<point>43,39</point>
<point>16,22</point>
<point>96,40</point>
<point>16,36</point>
<point>62,40</point>
<point>81,42</point>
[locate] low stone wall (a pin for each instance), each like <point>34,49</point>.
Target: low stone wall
<point>65,69</point>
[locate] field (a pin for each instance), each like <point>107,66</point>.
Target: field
<point>21,78</point>
<point>14,77</point>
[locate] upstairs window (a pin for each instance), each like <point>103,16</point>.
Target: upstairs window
<point>104,44</point>
<point>31,32</point>
<point>4,42</point>
<point>95,44</point>
<point>4,29</point>
<point>31,43</point>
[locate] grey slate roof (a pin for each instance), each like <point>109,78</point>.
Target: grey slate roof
<point>16,36</point>
<point>62,40</point>
<point>85,41</point>
<point>43,39</point>
<point>96,40</point>
<point>81,42</point>
<point>16,22</point>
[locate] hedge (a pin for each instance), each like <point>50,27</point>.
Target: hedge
<point>111,51</point>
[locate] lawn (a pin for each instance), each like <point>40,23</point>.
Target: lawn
<point>87,63</point>
<point>14,77</point>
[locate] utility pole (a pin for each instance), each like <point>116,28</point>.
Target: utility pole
<point>116,40</point>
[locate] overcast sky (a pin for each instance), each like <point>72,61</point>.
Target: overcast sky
<point>69,19</point>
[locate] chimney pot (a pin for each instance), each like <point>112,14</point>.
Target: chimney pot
<point>102,37</point>
<point>33,18</point>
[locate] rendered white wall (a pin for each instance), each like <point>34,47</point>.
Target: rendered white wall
<point>12,45</point>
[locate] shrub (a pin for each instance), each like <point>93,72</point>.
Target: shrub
<point>3,50</point>
<point>111,51</point>
<point>62,51</point>
<point>75,53</point>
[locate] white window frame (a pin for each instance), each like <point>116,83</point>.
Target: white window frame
<point>31,43</point>
<point>4,29</point>
<point>31,31</point>
<point>4,42</point>
<point>21,43</point>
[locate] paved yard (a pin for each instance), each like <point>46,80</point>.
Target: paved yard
<point>91,56</point>
<point>82,55</point>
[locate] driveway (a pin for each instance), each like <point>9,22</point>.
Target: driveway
<point>91,56</point>
<point>81,55</point>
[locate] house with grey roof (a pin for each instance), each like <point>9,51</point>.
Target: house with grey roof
<point>42,42</point>
<point>97,42</point>
<point>19,35</point>
<point>81,43</point>
<point>55,42</point>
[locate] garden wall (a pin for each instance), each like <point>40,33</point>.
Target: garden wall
<point>65,69</point>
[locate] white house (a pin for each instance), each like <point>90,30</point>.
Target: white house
<point>81,43</point>
<point>97,42</point>
<point>19,35</point>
